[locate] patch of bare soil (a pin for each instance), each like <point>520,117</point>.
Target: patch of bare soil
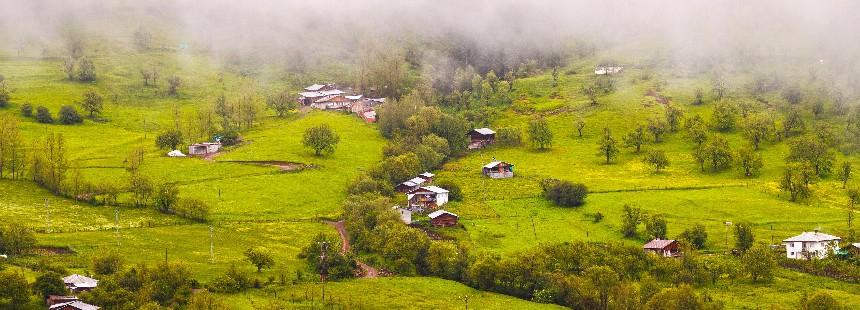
<point>50,251</point>
<point>659,98</point>
<point>365,270</point>
<point>284,166</point>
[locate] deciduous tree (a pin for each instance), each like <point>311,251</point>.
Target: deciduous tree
<point>92,103</point>
<point>260,257</point>
<point>759,262</point>
<point>607,147</point>
<point>749,161</point>
<point>656,159</point>
<point>322,139</point>
<point>540,134</point>
<point>635,139</point>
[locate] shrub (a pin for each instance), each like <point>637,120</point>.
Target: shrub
<point>229,137</point>
<point>107,264</point>
<point>510,136</point>
<point>15,239</point>
<point>27,110</point>
<point>233,281</point>
<point>695,235</point>
<point>169,139</point>
<point>43,115</point>
<point>49,284</point>
<point>454,192</point>
<point>566,194</point>
<point>193,209</point>
<point>69,115</point>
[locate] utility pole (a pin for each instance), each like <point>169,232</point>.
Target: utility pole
<point>727,232</point>
<point>47,216</point>
<point>211,245</point>
<point>465,299</point>
<point>324,267</point>
<point>116,223</point>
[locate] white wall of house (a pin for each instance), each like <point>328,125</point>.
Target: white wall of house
<point>441,199</point>
<point>818,249</point>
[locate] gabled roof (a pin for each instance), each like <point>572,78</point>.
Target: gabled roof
<point>77,304</point>
<point>314,87</point>
<point>427,175</point>
<point>413,182</point>
<point>80,281</point>
<point>812,237</point>
<point>493,164</point>
<point>484,131</point>
<point>657,244</point>
<point>437,213</point>
<point>434,189</point>
<point>356,97</point>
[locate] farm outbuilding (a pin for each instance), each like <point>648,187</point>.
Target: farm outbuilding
<point>332,102</point>
<point>204,148</point>
<point>664,248</point>
<point>481,137</point>
<point>608,69</point>
<point>427,197</point>
<point>410,185</point>
<point>810,245</point>
<point>175,153</point>
<point>405,214</point>
<point>442,218</point>
<point>427,176</point>
<point>78,283</point>
<point>498,170</point>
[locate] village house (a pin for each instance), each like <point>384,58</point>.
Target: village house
<point>332,102</point>
<point>427,176</point>
<point>78,283</point>
<point>56,299</point>
<point>481,137</point>
<point>410,185</point>
<point>608,69</point>
<point>405,214</point>
<point>204,148</point>
<point>442,218</point>
<point>365,107</point>
<point>664,248</point>
<point>73,305</point>
<point>317,91</point>
<point>427,197</point>
<point>810,245</point>
<point>498,170</point>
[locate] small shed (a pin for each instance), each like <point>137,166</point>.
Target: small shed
<point>204,148</point>
<point>73,305</point>
<point>442,218</point>
<point>481,137</point>
<point>405,214</point>
<point>498,170</point>
<point>427,197</point>
<point>664,248</point>
<point>608,69</point>
<point>78,283</point>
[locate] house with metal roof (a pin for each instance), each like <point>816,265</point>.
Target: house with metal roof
<point>427,197</point>
<point>811,245</point>
<point>78,283</point>
<point>442,218</point>
<point>664,248</point>
<point>481,137</point>
<point>410,185</point>
<point>498,170</point>
<point>73,305</point>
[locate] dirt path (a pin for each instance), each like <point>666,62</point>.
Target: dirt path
<point>366,270</point>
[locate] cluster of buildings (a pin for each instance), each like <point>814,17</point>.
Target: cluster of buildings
<point>608,69</point>
<point>807,245</point>
<point>329,97</point>
<point>74,283</point>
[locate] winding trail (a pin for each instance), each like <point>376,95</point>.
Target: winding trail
<point>366,270</point>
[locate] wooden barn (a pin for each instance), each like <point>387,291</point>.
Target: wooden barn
<point>427,197</point>
<point>498,170</point>
<point>204,148</point>
<point>409,185</point>
<point>442,218</point>
<point>481,137</point>
<point>664,248</point>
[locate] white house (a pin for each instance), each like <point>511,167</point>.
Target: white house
<point>810,245</point>
<point>604,70</point>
